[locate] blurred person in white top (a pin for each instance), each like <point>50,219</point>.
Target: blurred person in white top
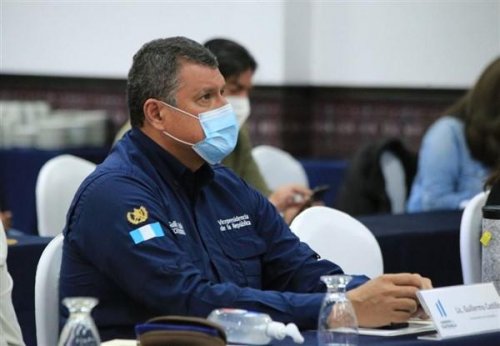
<point>10,332</point>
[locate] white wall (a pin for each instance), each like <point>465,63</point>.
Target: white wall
<point>438,43</point>
<point>413,43</point>
<point>99,38</point>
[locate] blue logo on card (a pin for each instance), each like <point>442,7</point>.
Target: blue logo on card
<point>441,309</point>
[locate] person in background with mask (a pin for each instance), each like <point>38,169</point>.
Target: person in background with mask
<point>238,66</point>
<point>160,228</point>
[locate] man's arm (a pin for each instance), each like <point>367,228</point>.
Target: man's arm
<point>293,266</point>
<point>162,273</point>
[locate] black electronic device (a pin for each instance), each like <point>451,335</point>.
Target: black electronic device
<point>319,192</point>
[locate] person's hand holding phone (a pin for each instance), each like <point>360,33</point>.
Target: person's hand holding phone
<point>292,199</point>
<point>315,199</point>
<point>318,193</point>
<point>289,199</point>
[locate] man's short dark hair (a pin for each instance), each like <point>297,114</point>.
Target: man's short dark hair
<point>233,58</point>
<point>155,69</point>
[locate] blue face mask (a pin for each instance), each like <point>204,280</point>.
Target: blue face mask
<point>221,133</point>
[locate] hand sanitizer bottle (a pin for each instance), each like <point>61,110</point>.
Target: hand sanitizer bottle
<point>252,328</point>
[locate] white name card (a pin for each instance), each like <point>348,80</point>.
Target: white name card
<point>462,310</point>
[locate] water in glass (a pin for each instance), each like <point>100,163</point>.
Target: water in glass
<point>337,322</point>
<point>80,329</point>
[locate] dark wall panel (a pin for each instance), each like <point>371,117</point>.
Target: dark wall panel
<point>309,122</point>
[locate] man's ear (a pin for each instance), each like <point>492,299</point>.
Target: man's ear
<point>152,113</point>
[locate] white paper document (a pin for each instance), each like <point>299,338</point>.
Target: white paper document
<point>120,342</point>
<point>414,327</point>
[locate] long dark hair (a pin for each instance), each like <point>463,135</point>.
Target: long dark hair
<point>479,109</point>
<point>493,178</point>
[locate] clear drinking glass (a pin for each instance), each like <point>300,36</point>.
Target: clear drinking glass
<point>337,322</point>
<point>80,329</point>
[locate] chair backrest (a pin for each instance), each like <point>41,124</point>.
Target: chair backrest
<point>378,178</point>
<point>395,181</point>
<point>56,185</point>
<point>340,238</point>
<point>470,233</point>
<point>47,293</point>
<point>279,167</point>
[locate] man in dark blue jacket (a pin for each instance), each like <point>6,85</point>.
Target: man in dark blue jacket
<point>161,228</point>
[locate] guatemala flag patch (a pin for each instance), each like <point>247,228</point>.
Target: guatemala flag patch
<point>146,232</point>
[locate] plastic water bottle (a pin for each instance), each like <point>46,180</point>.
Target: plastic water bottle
<point>253,328</point>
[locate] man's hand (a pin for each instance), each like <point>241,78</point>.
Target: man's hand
<point>389,298</point>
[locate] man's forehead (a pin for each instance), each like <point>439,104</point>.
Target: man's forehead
<point>200,76</point>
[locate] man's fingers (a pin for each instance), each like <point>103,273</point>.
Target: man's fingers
<point>426,284</point>
<point>405,304</point>
<point>400,316</point>
<point>420,314</point>
<point>405,292</point>
<point>406,279</point>
<point>388,298</point>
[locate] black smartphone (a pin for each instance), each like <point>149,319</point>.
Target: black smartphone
<point>319,192</point>
<point>317,196</point>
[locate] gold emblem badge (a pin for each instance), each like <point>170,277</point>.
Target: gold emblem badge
<point>137,216</point>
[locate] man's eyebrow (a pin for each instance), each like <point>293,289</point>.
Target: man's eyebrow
<point>209,90</point>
